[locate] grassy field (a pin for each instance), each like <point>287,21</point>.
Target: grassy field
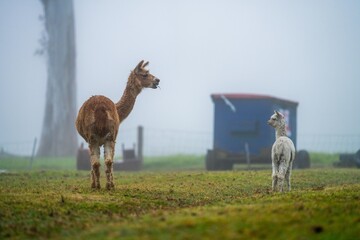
<point>162,163</point>
<point>43,204</point>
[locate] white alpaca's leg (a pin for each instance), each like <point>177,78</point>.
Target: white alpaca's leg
<point>274,176</point>
<point>109,155</point>
<point>95,165</point>
<point>288,176</point>
<point>283,166</point>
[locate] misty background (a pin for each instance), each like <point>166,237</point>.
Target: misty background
<point>304,51</point>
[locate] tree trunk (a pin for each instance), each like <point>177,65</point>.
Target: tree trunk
<point>58,137</point>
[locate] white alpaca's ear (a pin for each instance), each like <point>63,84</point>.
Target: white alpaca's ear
<point>279,114</point>
<point>138,67</point>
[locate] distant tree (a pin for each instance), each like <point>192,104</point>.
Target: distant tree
<point>58,136</point>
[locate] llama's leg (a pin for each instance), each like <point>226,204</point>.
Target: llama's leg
<point>109,148</point>
<point>95,165</point>
<point>288,176</point>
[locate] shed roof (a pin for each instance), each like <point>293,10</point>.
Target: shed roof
<point>251,96</point>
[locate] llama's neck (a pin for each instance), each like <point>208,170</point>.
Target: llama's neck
<point>280,131</point>
<point>126,103</point>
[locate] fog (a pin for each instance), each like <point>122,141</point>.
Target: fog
<point>305,51</point>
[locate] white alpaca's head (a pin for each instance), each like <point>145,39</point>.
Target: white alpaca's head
<point>277,120</point>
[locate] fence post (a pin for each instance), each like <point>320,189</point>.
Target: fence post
<point>33,153</point>
<point>247,152</point>
<point>140,141</point>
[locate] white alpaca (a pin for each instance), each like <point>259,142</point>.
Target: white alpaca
<point>282,153</point>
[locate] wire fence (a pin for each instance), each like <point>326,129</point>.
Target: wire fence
<point>329,143</point>
<point>19,148</point>
<point>160,142</point>
<point>168,142</point>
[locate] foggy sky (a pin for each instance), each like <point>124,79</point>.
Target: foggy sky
<point>305,51</point>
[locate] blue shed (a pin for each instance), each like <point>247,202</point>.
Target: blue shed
<point>241,133</point>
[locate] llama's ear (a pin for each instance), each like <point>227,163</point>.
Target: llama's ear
<point>138,67</point>
<point>145,64</point>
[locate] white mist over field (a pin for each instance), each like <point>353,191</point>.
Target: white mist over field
<point>305,51</point>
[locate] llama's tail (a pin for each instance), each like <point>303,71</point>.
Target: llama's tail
<point>100,113</point>
<point>101,120</point>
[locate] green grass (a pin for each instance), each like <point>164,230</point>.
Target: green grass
<point>160,163</point>
<point>24,163</point>
<point>323,159</point>
<point>174,163</point>
<point>324,204</point>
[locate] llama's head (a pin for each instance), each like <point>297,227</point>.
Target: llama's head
<point>277,120</point>
<point>142,78</point>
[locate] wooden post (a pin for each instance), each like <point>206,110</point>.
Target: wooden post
<point>247,152</point>
<point>140,144</point>
<point>33,153</point>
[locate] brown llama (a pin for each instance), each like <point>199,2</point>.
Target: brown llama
<point>99,118</point>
